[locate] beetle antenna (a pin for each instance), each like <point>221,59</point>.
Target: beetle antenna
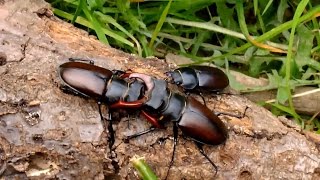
<point>199,145</point>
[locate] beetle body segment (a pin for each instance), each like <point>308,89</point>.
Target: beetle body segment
<point>204,78</point>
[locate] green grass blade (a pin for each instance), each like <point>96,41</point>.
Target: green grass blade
<point>241,19</point>
<point>255,6</point>
<point>160,23</point>
<point>95,23</point>
<point>289,111</point>
<point>76,14</point>
<point>112,21</point>
<point>289,59</point>
<point>315,24</point>
<point>206,25</point>
<point>82,21</point>
<point>267,7</point>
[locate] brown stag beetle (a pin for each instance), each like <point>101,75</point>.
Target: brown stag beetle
<point>88,80</point>
<point>150,95</point>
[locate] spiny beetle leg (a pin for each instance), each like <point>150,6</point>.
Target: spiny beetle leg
<point>233,115</point>
<point>111,138</point>
<point>228,114</point>
<point>100,113</point>
<point>202,97</point>
<point>82,60</point>
<point>196,92</point>
<point>152,120</point>
<point>126,139</point>
<point>175,142</point>
<point>199,145</point>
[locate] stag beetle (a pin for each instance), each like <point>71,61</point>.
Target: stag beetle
<point>194,78</point>
<point>100,84</point>
<point>157,101</point>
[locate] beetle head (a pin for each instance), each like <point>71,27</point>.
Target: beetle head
<point>174,77</point>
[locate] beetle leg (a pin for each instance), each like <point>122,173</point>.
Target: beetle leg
<point>152,120</point>
<point>139,134</point>
<point>239,116</point>
<point>111,138</point>
<point>175,142</point>
<point>100,113</point>
<point>111,132</point>
<point>82,60</point>
<point>199,145</point>
<point>202,97</point>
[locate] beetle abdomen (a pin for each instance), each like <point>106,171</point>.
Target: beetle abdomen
<point>201,125</point>
<point>87,79</point>
<point>211,78</point>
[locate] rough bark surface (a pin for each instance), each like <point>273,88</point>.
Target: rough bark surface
<point>48,134</point>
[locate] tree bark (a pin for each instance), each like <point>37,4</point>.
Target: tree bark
<point>46,133</point>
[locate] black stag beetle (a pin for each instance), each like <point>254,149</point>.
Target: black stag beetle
<point>157,103</point>
<point>199,79</point>
<point>194,78</point>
